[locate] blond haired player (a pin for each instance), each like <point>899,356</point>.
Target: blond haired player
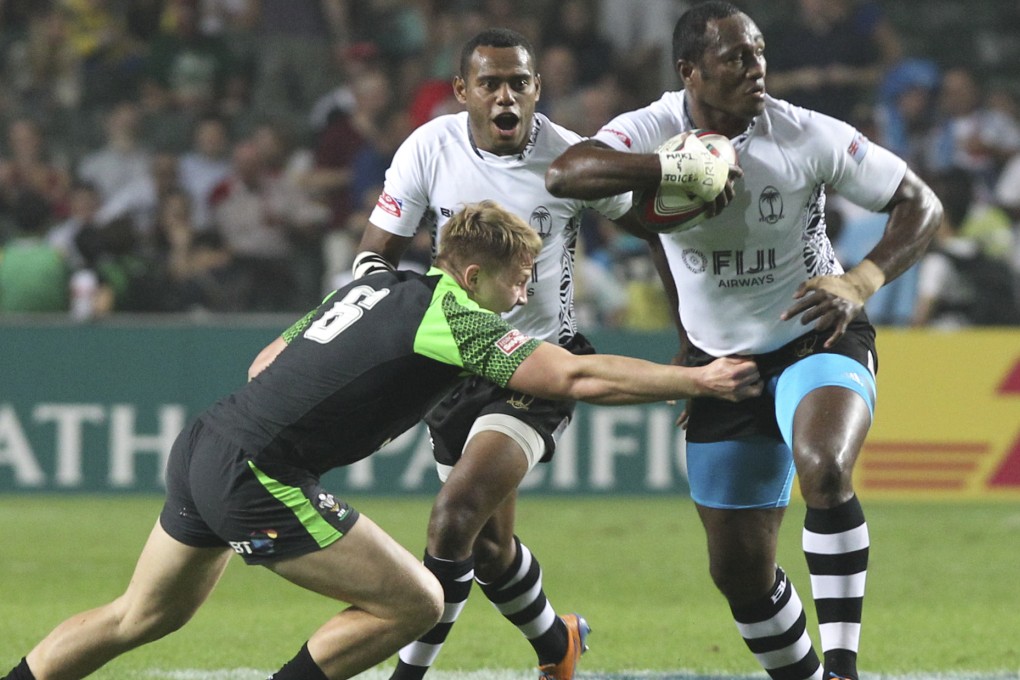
<point>362,368</point>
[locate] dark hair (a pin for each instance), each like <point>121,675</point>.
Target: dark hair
<point>493,37</point>
<point>689,38</point>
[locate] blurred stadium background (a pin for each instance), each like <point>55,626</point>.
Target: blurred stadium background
<point>125,129</point>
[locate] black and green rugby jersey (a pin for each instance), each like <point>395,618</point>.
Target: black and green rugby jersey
<point>364,367</point>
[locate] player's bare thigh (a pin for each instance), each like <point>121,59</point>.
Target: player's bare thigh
<point>368,569</point>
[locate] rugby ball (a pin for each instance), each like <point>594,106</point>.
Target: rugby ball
<point>671,209</point>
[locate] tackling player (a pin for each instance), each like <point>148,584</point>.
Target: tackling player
<point>760,279</point>
<point>359,370</point>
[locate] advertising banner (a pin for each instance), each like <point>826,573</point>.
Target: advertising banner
<point>95,408</point>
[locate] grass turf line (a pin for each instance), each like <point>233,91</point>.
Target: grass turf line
<point>495,674</point>
<point>939,588</point>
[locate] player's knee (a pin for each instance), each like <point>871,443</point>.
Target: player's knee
<point>825,477</point>
<point>742,581</point>
<point>454,523</point>
<point>424,606</point>
<point>141,623</point>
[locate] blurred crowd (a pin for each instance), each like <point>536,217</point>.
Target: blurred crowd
<point>211,156</point>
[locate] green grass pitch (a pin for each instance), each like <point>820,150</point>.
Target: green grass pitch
<point>943,590</point>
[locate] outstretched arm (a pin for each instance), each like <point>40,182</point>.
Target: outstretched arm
<point>552,372</point>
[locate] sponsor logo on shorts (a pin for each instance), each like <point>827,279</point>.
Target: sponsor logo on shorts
<point>261,542</point>
<point>511,342</point>
<point>521,402</point>
<point>389,204</point>
<point>804,346</point>
<point>327,502</point>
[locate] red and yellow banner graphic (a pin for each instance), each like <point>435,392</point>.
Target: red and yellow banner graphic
<point>948,416</point>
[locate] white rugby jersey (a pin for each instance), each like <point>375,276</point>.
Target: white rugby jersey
<point>438,169</point>
<point>737,272</point>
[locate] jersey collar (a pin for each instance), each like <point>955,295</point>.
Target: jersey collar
<point>685,113</point>
<point>536,126</point>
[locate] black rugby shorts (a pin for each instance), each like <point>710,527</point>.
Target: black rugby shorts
<point>451,420</point>
<point>216,496</point>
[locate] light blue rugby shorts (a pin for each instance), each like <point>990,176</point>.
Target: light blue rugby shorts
<point>758,471</point>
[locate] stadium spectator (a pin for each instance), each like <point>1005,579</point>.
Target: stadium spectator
<point>573,24</point>
<point>969,135</point>
<point>87,298</point>
<point>189,68</point>
<point>84,208</point>
<point>370,122</point>
<point>27,165</point>
<point>621,280</point>
<point>761,279</point>
<point>123,156</point>
<point>641,32</point>
<point>432,95</point>
<point>260,219</point>
<point>33,272</point>
<point>446,33</point>
<point>832,55</point>
<point>205,165</point>
<point>959,285</point>
<point>905,110</point>
<point>194,264</point>
<point>398,32</point>
<point>290,164</point>
<point>517,15</point>
<point>279,149</point>
<point>121,263</point>
<point>297,43</point>
<point>139,199</point>
<point>432,98</point>
<point>254,459</point>
<point>109,56</point>
<point>561,93</point>
<point>44,68</point>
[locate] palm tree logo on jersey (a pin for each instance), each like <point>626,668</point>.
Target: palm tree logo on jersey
<point>770,205</point>
<point>541,221</point>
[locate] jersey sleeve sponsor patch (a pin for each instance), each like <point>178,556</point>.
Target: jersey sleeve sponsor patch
<point>389,204</point>
<point>512,341</point>
<point>858,147</point>
<point>622,136</point>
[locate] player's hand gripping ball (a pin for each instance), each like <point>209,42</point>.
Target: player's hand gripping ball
<point>695,167</point>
